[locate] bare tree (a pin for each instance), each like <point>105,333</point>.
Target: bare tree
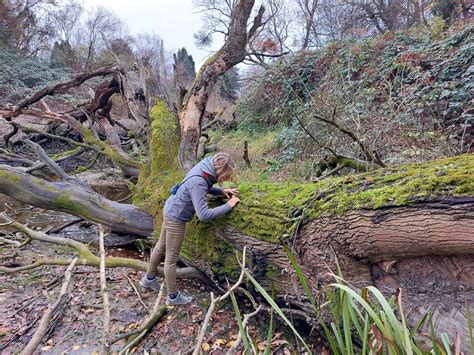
<point>307,10</point>
<point>231,53</point>
<point>24,25</point>
<point>100,24</point>
<point>267,40</point>
<point>65,19</point>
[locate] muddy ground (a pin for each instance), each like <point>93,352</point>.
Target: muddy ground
<point>25,296</point>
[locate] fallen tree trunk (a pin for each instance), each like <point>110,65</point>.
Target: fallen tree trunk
<point>392,228</point>
<point>407,227</point>
<point>76,198</point>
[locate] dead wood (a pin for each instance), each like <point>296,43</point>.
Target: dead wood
<point>51,164</point>
<point>43,326</point>
<point>246,155</point>
<point>86,257</point>
<point>71,154</point>
<point>62,86</point>
<point>77,198</point>
<point>212,306</point>
<point>105,295</point>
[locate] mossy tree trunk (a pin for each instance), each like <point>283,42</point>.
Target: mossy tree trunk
<point>232,52</point>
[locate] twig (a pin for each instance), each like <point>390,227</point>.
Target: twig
<point>105,295</point>
<point>43,326</point>
<point>137,293</point>
<point>9,241</point>
<point>65,225</point>
<point>147,322</point>
<point>212,306</point>
<point>237,342</point>
<point>52,165</point>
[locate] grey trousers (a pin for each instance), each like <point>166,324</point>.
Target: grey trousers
<point>167,248</point>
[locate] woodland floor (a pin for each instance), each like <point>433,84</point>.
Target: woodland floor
<point>24,297</point>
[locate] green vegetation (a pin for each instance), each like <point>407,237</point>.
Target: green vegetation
<point>403,94</point>
<point>21,76</point>
<point>365,322</point>
<point>155,181</point>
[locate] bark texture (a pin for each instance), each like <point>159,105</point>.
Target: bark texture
<point>232,52</point>
<point>76,198</point>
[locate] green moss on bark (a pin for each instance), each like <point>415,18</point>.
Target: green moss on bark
<point>267,209</point>
<point>156,180</point>
<point>63,202</point>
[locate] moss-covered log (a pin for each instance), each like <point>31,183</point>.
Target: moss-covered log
<point>408,227</point>
<point>76,198</point>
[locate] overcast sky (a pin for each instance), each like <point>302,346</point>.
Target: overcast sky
<point>174,20</point>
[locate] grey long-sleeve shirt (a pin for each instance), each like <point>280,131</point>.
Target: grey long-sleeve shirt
<point>191,196</point>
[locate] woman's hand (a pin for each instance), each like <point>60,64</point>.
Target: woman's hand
<point>233,201</point>
<point>229,193</point>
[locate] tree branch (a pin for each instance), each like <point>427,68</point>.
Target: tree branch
<point>43,326</point>
<point>55,88</point>
<point>53,166</point>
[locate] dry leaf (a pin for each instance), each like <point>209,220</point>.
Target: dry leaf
<point>219,342</point>
<point>205,346</point>
<point>230,343</point>
<point>261,346</point>
<point>234,337</point>
<point>46,348</point>
<point>49,342</point>
<point>170,307</point>
<point>76,347</point>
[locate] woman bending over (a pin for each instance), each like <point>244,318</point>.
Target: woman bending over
<point>187,198</point>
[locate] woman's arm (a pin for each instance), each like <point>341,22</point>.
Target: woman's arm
<point>198,192</point>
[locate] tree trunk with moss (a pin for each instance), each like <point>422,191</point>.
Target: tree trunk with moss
<point>232,52</point>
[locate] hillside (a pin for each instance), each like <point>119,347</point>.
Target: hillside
<point>405,96</point>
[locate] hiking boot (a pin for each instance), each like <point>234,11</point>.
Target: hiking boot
<point>181,298</point>
<point>152,284</point>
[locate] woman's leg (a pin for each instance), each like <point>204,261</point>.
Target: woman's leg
<point>174,239</point>
<point>158,252</point>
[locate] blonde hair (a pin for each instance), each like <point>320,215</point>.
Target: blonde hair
<point>225,167</point>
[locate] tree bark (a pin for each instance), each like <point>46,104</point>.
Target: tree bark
<point>76,198</point>
<point>232,52</point>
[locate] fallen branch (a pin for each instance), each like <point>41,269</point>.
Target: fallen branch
<point>137,293</point>
<point>86,257</point>
<point>52,165</point>
<point>105,295</point>
<point>147,323</point>
<point>43,326</point>
<point>59,87</point>
<point>73,153</point>
<point>62,226</point>
<point>212,306</point>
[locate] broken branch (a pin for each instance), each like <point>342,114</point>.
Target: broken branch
<point>43,326</point>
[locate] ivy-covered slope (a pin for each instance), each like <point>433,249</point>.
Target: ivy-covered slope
<point>22,76</point>
<point>435,76</point>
